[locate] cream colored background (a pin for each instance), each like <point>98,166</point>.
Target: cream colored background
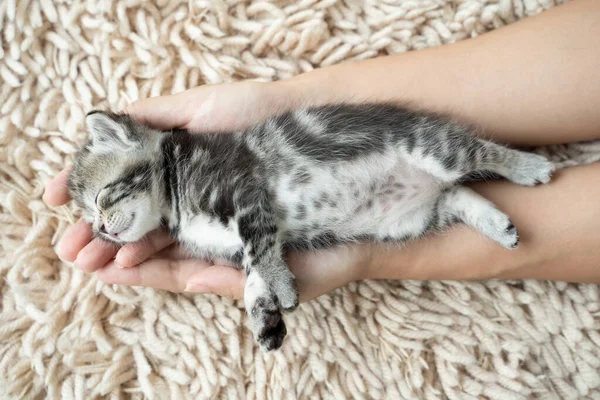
<point>64,335</point>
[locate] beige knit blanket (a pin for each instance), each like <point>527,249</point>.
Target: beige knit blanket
<point>64,335</point>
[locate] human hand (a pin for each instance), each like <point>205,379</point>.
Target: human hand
<point>156,261</point>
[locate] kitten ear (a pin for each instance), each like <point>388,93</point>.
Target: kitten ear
<point>107,134</point>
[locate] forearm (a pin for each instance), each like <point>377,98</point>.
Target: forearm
<point>559,226</point>
<point>531,83</point>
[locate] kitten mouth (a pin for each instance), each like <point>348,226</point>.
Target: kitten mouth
<point>116,236</point>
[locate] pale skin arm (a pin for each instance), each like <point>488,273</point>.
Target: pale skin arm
<point>559,226</point>
<point>534,82</point>
<point>531,83</point>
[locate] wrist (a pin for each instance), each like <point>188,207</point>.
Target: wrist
<point>368,261</point>
<point>312,88</point>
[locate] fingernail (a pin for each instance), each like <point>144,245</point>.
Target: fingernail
<point>119,265</point>
<point>192,287</point>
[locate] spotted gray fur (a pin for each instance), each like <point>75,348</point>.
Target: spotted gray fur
<point>305,179</point>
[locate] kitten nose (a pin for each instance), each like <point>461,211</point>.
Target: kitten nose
<point>108,231</point>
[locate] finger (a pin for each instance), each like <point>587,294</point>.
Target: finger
<point>75,238</point>
<point>226,263</point>
<point>176,251</point>
<point>221,280</point>
<point>155,273</point>
<point>95,255</point>
<point>135,253</point>
<point>56,193</point>
<point>166,112</point>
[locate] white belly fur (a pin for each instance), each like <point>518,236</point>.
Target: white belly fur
<point>378,196</point>
<point>206,238</point>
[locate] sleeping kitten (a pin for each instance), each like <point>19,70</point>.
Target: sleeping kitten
<point>302,180</point>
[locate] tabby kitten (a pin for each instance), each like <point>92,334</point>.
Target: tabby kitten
<point>305,179</point>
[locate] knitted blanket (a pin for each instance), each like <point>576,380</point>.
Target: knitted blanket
<point>65,335</point>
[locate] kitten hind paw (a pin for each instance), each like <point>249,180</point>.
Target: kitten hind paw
<point>499,227</point>
<point>531,170</point>
<point>512,235</point>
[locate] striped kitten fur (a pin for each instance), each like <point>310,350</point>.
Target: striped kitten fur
<point>305,179</point>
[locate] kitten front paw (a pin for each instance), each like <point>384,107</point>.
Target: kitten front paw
<point>267,322</point>
<point>284,286</point>
<point>264,302</point>
<point>270,329</point>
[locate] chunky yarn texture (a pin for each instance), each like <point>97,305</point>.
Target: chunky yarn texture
<point>65,335</point>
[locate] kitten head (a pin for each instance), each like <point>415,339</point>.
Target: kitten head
<point>113,180</point>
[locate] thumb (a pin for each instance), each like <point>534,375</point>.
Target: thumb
<point>167,112</point>
<point>220,280</point>
<point>56,192</point>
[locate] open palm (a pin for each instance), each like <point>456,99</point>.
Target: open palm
<point>156,261</point>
